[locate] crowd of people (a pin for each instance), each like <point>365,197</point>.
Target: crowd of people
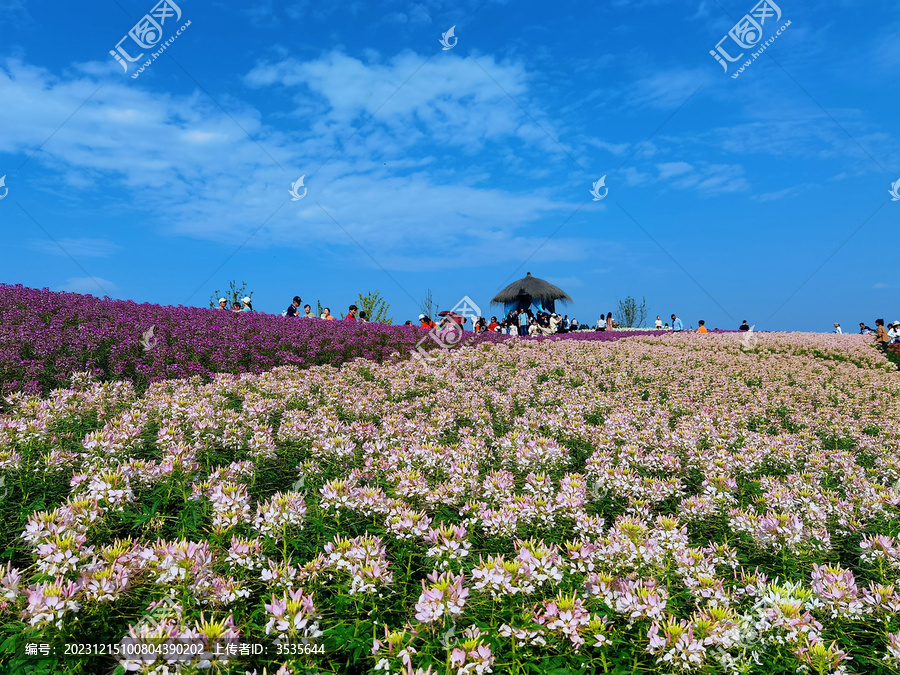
<point>525,322</point>
<point>293,310</point>
<point>245,305</point>
<point>516,322</point>
<point>678,325</point>
<point>521,322</point>
<point>883,335</point>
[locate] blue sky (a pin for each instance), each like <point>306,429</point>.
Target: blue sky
<point>458,170</point>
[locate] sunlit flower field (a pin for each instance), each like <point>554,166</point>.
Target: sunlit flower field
<point>655,504</point>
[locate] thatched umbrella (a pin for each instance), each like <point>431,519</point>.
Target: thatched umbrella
<point>524,292</point>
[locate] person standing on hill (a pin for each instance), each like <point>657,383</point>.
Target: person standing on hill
<point>658,324</point>
<point>702,328</point>
<point>223,304</point>
<point>837,329</point>
<point>326,315</point>
<point>744,326</point>
<point>308,313</point>
<point>894,332</point>
<point>610,324</point>
<point>677,326</point>
<point>523,323</point>
<point>881,334</point>
<point>292,308</point>
<point>247,305</point>
<point>351,313</point>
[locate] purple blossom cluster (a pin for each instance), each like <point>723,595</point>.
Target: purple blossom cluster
<point>46,336</point>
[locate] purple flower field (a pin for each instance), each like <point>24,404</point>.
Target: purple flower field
<point>46,336</point>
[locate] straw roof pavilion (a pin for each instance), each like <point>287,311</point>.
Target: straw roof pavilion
<point>531,290</point>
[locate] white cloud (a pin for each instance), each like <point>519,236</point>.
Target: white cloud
<point>780,194</point>
<point>397,185</point>
<point>90,285</point>
<point>635,177</point>
<point>669,169</point>
<point>207,179</point>
<point>705,178</point>
<point>881,285</point>
<point>668,88</point>
<point>617,149</point>
<point>411,97</point>
<point>565,282</point>
<point>76,247</point>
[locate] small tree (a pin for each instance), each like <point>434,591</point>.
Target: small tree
<point>631,314</point>
<point>233,294</point>
<point>319,308</point>
<point>429,306</point>
<point>375,307</point>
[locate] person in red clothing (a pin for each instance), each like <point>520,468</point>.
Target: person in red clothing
<point>427,323</point>
<point>352,315</point>
<point>492,326</point>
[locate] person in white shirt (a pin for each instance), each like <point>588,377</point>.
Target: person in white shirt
<point>894,332</point>
<point>837,329</point>
<point>658,324</point>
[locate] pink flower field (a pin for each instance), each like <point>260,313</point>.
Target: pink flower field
<point>654,504</point>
